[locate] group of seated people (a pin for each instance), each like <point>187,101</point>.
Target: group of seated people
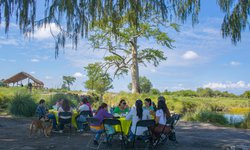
<point>136,113</point>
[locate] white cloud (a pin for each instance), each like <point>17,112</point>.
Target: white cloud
<point>153,70</point>
<point>33,72</point>
<point>6,41</point>
<point>189,55</point>
<point>48,77</point>
<point>234,63</point>
<point>175,88</point>
<point>34,60</point>
<point>211,31</point>
<point>227,85</point>
<point>78,75</point>
<point>44,32</point>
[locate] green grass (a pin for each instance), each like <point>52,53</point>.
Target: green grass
<point>190,107</point>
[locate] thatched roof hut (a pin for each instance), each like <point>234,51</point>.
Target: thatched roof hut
<point>23,75</point>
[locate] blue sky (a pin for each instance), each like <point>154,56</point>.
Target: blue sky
<point>201,58</point>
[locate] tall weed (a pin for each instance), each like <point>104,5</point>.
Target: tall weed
<point>22,104</point>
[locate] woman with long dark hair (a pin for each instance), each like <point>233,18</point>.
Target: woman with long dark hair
<point>148,104</point>
<point>101,114</point>
<point>161,116</point>
<point>137,113</point>
<point>64,108</point>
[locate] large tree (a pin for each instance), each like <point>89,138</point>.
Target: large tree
<point>144,83</point>
<point>125,54</point>
<point>98,79</point>
<point>79,15</point>
<point>76,17</point>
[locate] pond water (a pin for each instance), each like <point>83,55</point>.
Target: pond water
<point>233,118</point>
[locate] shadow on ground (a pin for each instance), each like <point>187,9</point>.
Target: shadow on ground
<point>14,135</point>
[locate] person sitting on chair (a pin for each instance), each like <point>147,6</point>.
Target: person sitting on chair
<point>122,108</point>
<point>81,119</point>
<point>137,113</point>
<point>41,110</point>
<point>161,116</point>
<point>102,112</point>
<point>58,104</point>
<point>64,108</point>
<point>43,114</point>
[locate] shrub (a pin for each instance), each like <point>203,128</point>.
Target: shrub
<point>4,101</point>
<point>211,117</point>
<point>73,99</point>
<point>155,92</point>
<point>189,107</point>
<point>22,104</point>
<point>246,123</point>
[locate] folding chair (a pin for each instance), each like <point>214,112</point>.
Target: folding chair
<point>112,122</point>
<point>163,137</point>
<point>144,123</point>
<point>65,118</point>
<point>85,114</point>
<point>92,120</point>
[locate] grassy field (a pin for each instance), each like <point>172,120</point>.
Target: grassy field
<point>204,109</point>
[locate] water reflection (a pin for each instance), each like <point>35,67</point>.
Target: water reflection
<point>232,118</point>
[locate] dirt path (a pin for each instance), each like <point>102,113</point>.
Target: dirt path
<point>193,136</point>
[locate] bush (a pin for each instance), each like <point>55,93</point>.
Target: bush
<point>4,101</point>
<point>189,107</point>
<point>73,99</point>
<point>155,92</point>
<point>246,123</point>
<point>22,104</point>
<point>211,117</point>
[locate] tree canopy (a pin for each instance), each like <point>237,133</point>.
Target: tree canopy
<point>76,17</point>
<point>68,81</point>
<point>145,85</point>
<point>98,80</point>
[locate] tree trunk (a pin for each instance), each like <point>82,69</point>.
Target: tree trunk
<point>134,68</point>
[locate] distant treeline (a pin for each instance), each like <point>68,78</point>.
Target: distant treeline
<point>205,92</point>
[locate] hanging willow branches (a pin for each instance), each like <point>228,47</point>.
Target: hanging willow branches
<point>76,17</point>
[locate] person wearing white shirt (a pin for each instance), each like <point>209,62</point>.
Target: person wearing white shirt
<point>81,119</point>
<point>137,113</point>
<point>161,115</point>
<point>64,108</point>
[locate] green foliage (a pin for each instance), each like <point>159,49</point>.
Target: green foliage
<point>2,84</point>
<point>22,104</point>
<point>211,117</point>
<point>207,92</point>
<point>166,92</point>
<point>145,85</point>
<point>236,18</point>
<point>99,80</point>
<point>246,94</point>
<point>4,102</point>
<point>73,99</point>
<point>67,81</point>
<point>187,93</point>
<point>189,107</point>
<point>155,91</point>
<point>246,123</point>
